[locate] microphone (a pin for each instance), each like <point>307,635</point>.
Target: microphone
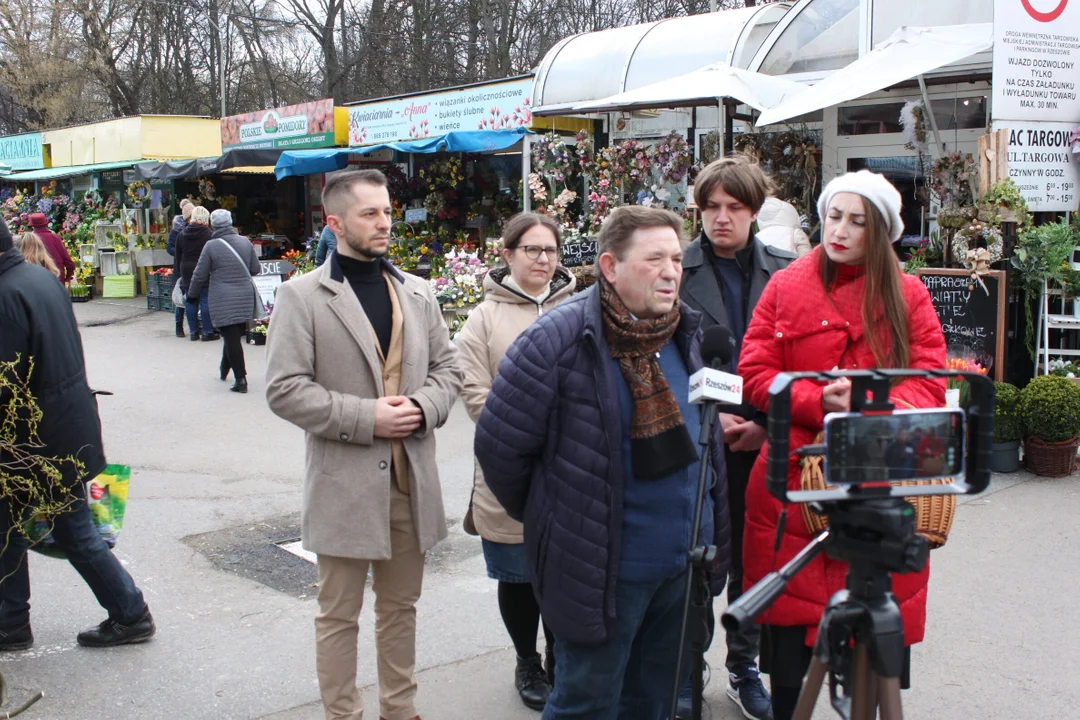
<point>711,384</point>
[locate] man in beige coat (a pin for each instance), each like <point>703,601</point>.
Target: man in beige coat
<point>360,358</point>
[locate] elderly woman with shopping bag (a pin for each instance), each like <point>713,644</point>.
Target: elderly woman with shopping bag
<point>228,264</point>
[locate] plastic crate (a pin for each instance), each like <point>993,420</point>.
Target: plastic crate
<point>118,286</point>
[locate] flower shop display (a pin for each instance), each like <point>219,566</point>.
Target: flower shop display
<point>460,283</point>
<point>957,391</point>
<point>1008,429</point>
<point>1042,253</point>
<point>1050,409</point>
<point>793,159</point>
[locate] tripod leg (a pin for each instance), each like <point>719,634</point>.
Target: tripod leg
<point>810,690</point>
<point>864,686</point>
<point>889,699</point>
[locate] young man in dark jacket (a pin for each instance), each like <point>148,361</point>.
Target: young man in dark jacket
<point>724,272</point>
<point>588,438</point>
<point>38,334</point>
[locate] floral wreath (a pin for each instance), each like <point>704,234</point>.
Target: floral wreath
<point>207,189</point>
<point>950,179</point>
<point>138,192</point>
<point>967,238</point>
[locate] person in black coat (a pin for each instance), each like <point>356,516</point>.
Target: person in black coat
<point>178,224</point>
<point>189,246</point>
<point>39,341</point>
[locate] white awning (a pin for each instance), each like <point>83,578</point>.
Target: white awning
<point>705,86</point>
<point>600,64</point>
<point>907,53</point>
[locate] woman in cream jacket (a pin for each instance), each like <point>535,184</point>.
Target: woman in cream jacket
<point>530,284</point>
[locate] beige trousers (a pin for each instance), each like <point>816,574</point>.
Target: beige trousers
<point>397,585</point>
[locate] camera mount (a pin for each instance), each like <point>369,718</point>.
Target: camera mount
<point>872,528</point>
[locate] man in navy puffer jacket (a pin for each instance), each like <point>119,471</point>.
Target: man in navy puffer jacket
<point>587,438</point>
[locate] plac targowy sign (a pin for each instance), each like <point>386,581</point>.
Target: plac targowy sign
<point>22,152</point>
<point>307,125</point>
<point>499,106</point>
<point>1042,165</point>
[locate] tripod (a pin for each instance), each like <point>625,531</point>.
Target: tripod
<point>696,604</point>
<point>861,635</point>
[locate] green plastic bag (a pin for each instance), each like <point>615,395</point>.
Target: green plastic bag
<point>107,496</point>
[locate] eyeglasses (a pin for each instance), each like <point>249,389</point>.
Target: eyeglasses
<point>533,252</point>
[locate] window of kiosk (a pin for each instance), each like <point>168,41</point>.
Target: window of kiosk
<point>967,113</point>
<point>825,36</point>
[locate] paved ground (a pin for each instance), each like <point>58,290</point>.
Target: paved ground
<point>215,486</point>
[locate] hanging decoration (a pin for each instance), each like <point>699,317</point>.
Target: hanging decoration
<point>913,122</point>
<point>207,190</point>
<point>138,193</point>
<point>968,247</point>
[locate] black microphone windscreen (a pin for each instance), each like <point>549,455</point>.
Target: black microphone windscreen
<point>717,346</point>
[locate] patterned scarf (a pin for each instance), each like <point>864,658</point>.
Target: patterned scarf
<point>659,441</point>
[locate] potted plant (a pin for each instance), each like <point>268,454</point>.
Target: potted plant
<point>1039,256</point>
<point>1008,429</point>
<point>1050,409</point>
<point>258,334</point>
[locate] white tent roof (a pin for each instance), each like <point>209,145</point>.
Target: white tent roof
<point>597,65</point>
<point>705,86</point>
<point>907,53</point>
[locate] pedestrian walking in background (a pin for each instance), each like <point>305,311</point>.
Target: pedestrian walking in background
<point>224,273</point>
<point>844,306</point>
<point>189,247</point>
<point>178,224</point>
<point>724,273</point>
<point>38,329</point>
<point>34,252</point>
<point>779,226</point>
<point>587,437</point>
<point>326,245</point>
<point>359,357</point>
<point>55,245</point>
<point>530,284</point>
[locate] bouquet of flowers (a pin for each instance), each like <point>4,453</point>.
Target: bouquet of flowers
<point>963,364</point>
<point>461,282</point>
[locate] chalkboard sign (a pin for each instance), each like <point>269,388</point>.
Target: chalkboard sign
<point>579,253</point>
<point>972,314</point>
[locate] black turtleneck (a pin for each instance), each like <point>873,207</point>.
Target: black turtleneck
<point>366,280</point>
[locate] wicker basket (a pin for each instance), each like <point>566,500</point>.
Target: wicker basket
<point>1050,459</point>
<point>933,513</point>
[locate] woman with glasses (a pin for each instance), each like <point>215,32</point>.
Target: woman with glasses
<point>530,284</point>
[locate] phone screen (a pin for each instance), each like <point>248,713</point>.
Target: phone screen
<point>906,445</point>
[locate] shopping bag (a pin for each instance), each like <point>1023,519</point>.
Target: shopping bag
<point>178,298</point>
<point>107,496</point>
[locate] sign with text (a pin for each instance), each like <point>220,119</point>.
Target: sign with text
<point>22,152</point>
<point>276,267</point>
<point>578,253</point>
<point>1042,165</point>
<point>972,314</point>
<point>499,106</point>
<point>1037,60</point>
<point>268,285</point>
<point>307,125</point>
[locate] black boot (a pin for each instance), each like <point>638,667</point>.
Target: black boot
<point>111,633</point>
<point>18,639</point>
<point>180,329</point>
<point>549,663</point>
<point>240,386</point>
<point>531,682</point>
<point>211,337</point>
<point>195,337</point>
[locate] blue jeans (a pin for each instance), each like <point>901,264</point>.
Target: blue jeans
<point>75,533</point>
<point>631,676</point>
<point>193,313</point>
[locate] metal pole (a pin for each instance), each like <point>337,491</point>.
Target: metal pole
<point>526,163</point>
<point>930,113</point>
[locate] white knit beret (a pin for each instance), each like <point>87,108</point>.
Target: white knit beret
<point>875,188</point>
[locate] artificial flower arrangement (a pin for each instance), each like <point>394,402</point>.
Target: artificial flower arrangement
<point>138,193</point>
<point>461,282</point>
<point>966,365</point>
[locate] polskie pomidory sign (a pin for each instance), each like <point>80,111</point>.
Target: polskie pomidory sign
<point>498,106</point>
<point>307,125</point>
<point>22,152</point>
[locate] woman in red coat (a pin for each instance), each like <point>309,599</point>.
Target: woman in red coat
<point>845,305</point>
